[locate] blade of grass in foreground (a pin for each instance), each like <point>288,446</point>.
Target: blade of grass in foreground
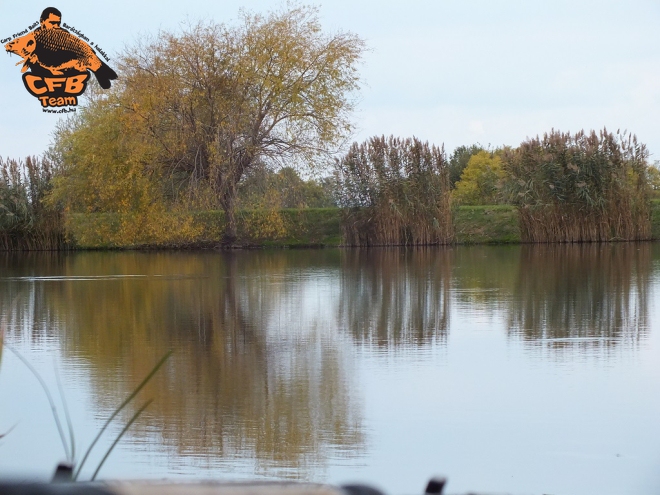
<point>121,434</point>
<point>68,417</point>
<point>118,410</point>
<point>3,435</point>
<point>50,398</point>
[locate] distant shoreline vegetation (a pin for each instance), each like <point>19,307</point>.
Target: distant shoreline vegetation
<point>228,135</point>
<point>587,187</point>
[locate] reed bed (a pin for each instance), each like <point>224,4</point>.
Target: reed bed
<point>582,187</point>
<point>394,191</point>
<point>27,223</point>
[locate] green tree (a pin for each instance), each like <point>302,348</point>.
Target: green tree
<point>481,180</point>
<point>263,187</point>
<point>210,103</point>
<point>654,179</point>
<point>459,160</point>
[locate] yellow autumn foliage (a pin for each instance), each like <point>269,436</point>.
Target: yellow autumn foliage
<point>480,181</point>
<point>114,176</point>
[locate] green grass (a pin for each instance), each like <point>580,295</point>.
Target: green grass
<point>493,224</point>
<point>317,227</point>
<point>312,227</point>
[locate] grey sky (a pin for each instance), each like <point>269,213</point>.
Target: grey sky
<point>448,71</point>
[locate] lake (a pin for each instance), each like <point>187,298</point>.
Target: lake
<point>509,369</point>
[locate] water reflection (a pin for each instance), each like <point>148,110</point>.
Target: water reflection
<point>25,308</point>
<point>587,295</point>
<point>264,367</point>
<point>254,374</point>
<point>390,297</point>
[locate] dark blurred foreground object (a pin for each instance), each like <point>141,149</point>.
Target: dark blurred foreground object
<point>164,488</point>
<point>434,487</point>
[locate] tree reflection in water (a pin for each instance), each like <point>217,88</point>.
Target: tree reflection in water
<point>263,370</point>
<point>254,374</point>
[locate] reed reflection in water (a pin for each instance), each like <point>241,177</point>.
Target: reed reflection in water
<point>585,295</point>
<point>392,297</point>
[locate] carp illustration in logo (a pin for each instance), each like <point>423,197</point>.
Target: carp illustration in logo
<point>50,51</point>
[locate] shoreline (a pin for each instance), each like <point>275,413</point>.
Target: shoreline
<point>311,228</point>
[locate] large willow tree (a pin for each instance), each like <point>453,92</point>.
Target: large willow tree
<point>205,105</point>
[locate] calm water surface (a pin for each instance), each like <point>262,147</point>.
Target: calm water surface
<point>518,369</point>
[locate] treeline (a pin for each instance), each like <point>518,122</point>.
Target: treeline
<point>592,186</point>
<point>212,132</point>
<point>568,188</point>
<point>32,217</point>
<point>219,118</point>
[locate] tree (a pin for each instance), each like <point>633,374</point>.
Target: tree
<point>653,173</point>
<point>263,187</point>
<point>459,160</point>
<point>105,167</point>
<point>212,102</point>
<point>481,180</point>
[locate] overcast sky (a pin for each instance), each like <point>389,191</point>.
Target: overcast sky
<point>447,71</point>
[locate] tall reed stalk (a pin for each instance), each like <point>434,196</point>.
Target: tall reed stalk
<point>582,187</point>
<point>394,192</point>
<point>27,223</point>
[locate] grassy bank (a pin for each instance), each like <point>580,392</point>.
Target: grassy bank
<point>310,227</point>
<point>655,219</point>
<point>499,224</point>
<point>495,224</point>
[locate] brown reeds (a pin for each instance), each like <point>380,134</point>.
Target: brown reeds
<point>394,192</point>
<point>26,222</point>
<point>582,187</point>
